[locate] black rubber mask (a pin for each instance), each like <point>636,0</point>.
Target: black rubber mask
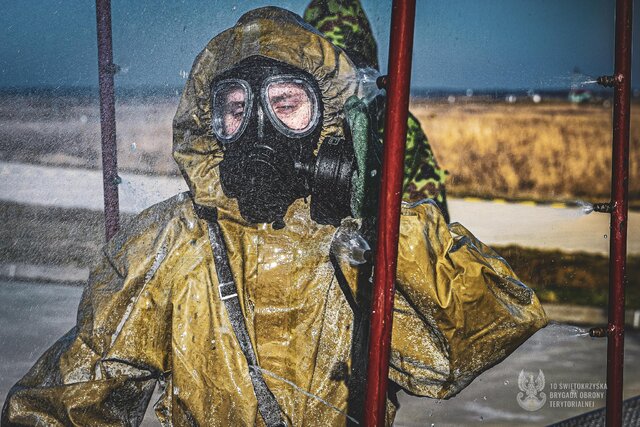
<point>268,116</point>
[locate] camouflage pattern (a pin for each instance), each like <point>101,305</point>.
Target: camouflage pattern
<point>423,178</point>
<point>345,24</point>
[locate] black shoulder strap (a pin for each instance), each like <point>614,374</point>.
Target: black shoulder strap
<point>228,292</point>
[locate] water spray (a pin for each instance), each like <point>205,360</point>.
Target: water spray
<point>588,208</point>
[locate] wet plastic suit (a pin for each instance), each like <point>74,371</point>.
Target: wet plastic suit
<point>345,23</point>
<point>151,310</point>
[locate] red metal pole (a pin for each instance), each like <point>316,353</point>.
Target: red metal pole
<point>400,50</point>
<point>106,70</point>
<point>619,201</point>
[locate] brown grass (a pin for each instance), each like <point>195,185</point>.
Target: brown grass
<point>549,151</point>
<point>553,151</point>
<point>570,278</point>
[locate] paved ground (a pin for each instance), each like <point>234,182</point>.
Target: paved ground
<point>81,188</point>
<point>544,227</point>
<point>34,315</point>
<point>494,223</point>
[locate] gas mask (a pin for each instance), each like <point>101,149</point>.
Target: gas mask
<point>268,117</point>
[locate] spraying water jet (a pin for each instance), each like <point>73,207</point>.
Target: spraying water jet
<point>586,208</point>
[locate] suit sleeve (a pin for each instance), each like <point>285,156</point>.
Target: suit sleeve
<point>459,307</point>
<point>104,370</point>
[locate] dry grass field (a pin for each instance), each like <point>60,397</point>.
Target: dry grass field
<point>548,151</point>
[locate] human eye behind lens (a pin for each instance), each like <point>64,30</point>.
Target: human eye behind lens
<point>233,115</point>
<point>235,109</point>
<point>290,103</point>
<point>287,104</point>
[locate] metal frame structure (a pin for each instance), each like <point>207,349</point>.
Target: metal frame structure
<point>619,214</point>
<point>397,88</point>
<point>106,71</point>
<point>397,85</point>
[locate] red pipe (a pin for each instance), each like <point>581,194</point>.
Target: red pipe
<point>106,70</point>
<point>400,50</point>
<point>619,201</point>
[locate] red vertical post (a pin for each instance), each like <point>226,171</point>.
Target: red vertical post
<point>399,78</point>
<point>106,70</point>
<point>619,202</point>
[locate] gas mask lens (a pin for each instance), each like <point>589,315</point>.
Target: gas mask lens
<point>289,101</point>
<point>231,107</point>
<point>291,104</point>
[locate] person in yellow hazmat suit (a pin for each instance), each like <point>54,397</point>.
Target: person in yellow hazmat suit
<point>245,298</point>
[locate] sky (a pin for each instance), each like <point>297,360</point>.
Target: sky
<point>458,44</point>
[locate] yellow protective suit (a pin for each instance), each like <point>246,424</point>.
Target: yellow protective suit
<point>151,310</point>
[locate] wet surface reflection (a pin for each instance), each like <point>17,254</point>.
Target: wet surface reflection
<point>35,315</point>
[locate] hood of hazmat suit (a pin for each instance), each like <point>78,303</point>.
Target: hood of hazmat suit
<point>152,312</point>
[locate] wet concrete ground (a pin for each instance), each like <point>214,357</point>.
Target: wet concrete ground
<point>34,315</point>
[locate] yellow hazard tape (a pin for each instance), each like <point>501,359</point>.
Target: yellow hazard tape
<point>558,205</point>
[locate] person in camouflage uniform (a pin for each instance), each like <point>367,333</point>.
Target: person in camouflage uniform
<point>345,24</point>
